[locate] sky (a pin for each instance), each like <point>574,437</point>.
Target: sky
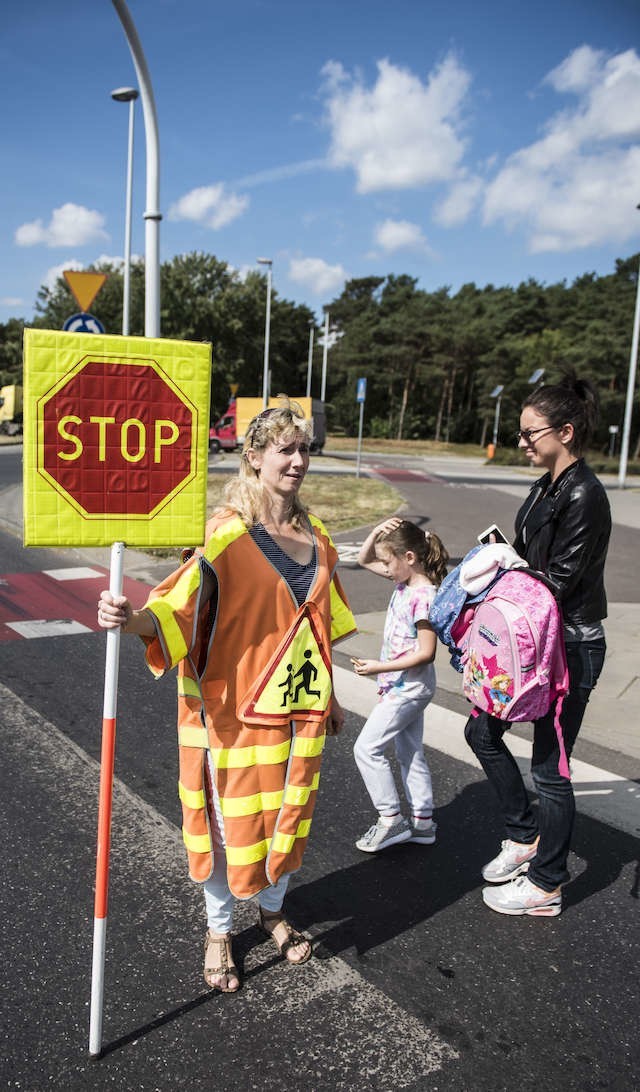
<point>453,141</point>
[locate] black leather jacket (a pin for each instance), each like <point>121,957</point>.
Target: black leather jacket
<point>563,530</point>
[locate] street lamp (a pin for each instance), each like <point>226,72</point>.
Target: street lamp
<point>267,327</point>
<point>310,360</point>
<point>497,394</point>
<point>631,384</point>
<point>325,350</point>
<point>127,94</point>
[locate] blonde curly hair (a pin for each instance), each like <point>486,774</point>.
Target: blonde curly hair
<point>244,495</point>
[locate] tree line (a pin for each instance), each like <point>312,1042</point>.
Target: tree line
<point>431,359</point>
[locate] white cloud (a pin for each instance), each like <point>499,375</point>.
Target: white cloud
<point>578,185</point>
<point>51,276</point>
<point>209,205</point>
<point>282,173</point>
<point>12,301</point>
<point>393,235</point>
<point>70,225</point>
<point>401,132</point>
<point>457,205</point>
<point>317,275</point>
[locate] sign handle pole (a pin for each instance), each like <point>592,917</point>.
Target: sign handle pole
<point>104,809</point>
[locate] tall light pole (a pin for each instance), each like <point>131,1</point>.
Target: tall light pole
<point>631,386</point>
<point>310,360</point>
<point>267,329</point>
<point>325,349</point>
<point>127,94</point>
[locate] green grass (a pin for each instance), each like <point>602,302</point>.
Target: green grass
<point>342,501</point>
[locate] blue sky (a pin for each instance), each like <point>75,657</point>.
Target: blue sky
<point>456,142</point>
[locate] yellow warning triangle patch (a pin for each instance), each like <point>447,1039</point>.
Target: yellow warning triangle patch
<point>297,680</point>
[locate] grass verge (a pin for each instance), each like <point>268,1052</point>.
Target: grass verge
<point>339,500</point>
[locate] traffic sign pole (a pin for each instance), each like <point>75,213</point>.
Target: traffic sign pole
<point>361,394</point>
<point>104,809</point>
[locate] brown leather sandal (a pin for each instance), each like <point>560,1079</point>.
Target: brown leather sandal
<point>284,936</point>
<point>218,961</point>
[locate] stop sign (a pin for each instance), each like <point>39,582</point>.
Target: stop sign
<point>117,437</point>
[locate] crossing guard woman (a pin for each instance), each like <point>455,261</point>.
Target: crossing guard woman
<point>249,621</point>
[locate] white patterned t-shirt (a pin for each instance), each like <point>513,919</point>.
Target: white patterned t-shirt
<point>407,607</point>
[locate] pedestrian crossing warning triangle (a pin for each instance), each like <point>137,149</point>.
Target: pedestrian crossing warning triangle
<point>84,286</point>
<point>297,680</point>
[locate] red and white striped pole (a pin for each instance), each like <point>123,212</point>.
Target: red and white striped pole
<point>104,809</point>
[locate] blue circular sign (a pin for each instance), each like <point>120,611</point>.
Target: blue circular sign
<point>83,323</point>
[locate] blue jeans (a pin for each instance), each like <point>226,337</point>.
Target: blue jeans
<point>556,804</point>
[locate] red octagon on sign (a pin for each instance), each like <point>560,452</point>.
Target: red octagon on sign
<point>118,438</point>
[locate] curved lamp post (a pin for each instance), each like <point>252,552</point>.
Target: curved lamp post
<point>127,94</point>
<point>152,214</point>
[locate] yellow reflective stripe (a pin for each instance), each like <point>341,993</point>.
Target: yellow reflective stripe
<point>284,843</point>
<point>164,610</point>
<point>316,522</point>
<point>174,642</point>
<point>297,795</point>
<point>193,798</point>
<point>197,843</point>
<point>342,620</point>
<point>232,806</point>
<point>304,747</point>
<point>223,537</point>
<point>192,735</point>
<point>228,758</point>
<point>188,688</point>
<point>243,855</point>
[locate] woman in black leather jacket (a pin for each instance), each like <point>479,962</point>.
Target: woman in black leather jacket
<point>562,530</point>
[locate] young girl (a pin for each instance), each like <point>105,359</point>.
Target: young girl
<point>416,562</point>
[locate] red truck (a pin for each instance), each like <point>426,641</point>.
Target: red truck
<point>228,433</point>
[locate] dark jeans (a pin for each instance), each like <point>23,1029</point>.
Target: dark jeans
<point>556,805</point>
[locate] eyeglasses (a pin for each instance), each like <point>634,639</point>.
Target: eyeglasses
<point>527,434</point>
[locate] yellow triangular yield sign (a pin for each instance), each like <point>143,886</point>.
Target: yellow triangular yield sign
<point>85,286</point>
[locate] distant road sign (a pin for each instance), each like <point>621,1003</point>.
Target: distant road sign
<point>84,286</point>
<point>361,390</point>
<point>83,323</point>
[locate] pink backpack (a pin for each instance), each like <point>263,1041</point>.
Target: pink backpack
<point>513,657</point>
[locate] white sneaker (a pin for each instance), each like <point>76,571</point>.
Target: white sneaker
<point>380,836</point>
<point>512,859</point>
<point>424,835</point>
<point>521,897</point>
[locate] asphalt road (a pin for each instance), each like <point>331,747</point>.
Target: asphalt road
<point>415,984</point>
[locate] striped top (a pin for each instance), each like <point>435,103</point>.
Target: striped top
<point>298,577</point>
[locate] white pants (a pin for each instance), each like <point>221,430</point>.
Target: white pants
<point>217,896</point>
<point>399,720</point>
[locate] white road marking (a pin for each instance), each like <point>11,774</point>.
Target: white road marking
<point>42,627</point>
<point>80,572</point>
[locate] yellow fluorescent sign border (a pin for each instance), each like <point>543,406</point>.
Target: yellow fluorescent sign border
<point>51,516</point>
